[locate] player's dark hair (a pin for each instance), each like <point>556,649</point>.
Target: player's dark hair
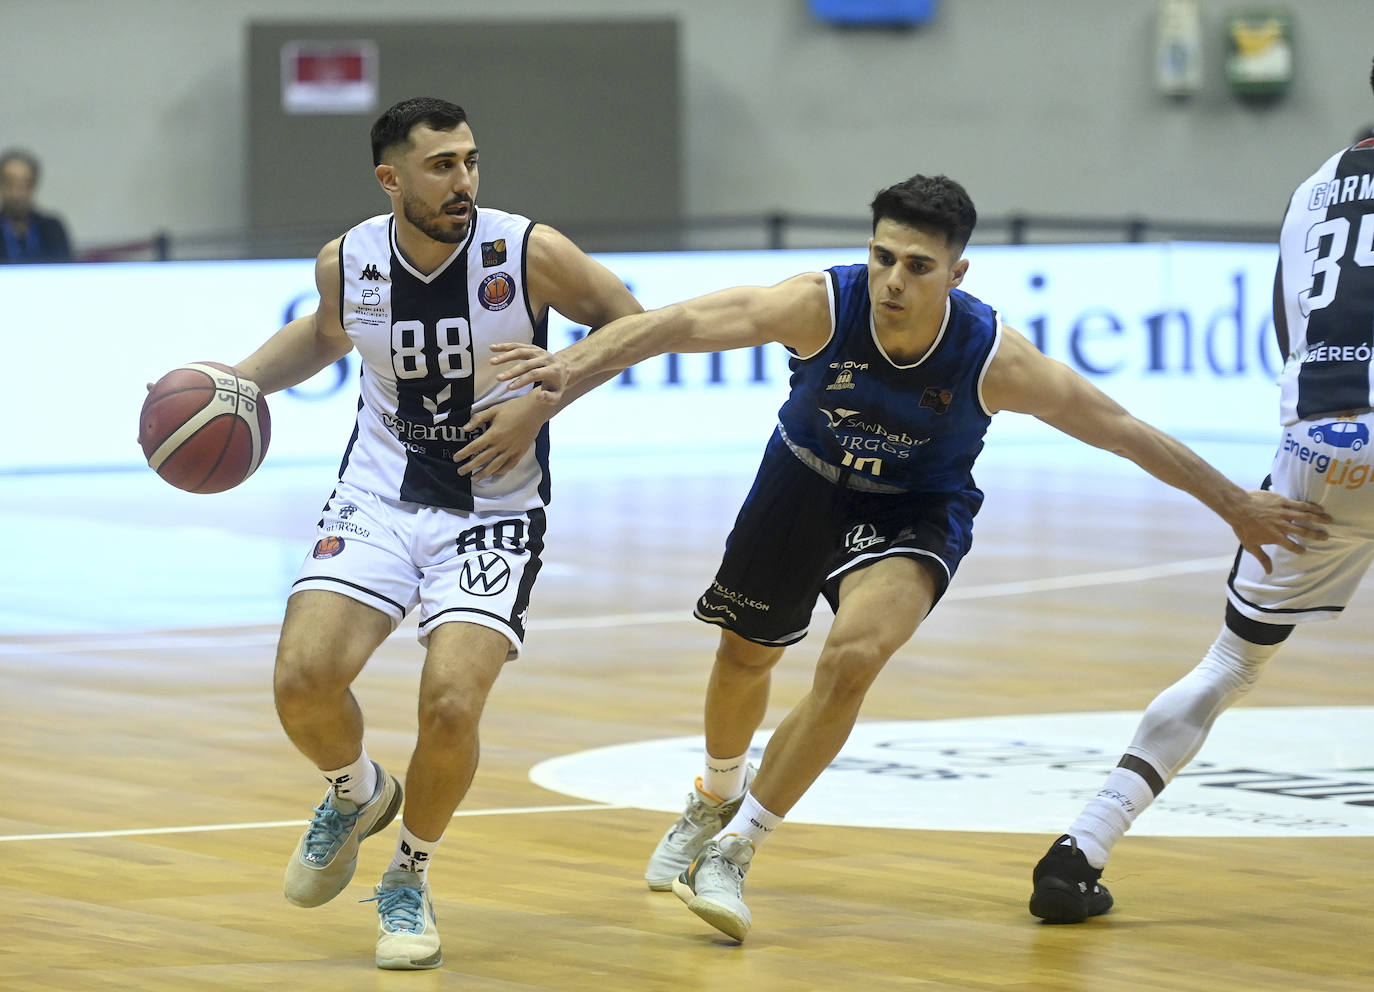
<point>936,202</point>
<point>20,155</point>
<point>394,126</point>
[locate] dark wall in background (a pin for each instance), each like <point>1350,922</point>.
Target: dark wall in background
<point>578,123</point>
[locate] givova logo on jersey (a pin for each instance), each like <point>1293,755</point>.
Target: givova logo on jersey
<point>1347,473</point>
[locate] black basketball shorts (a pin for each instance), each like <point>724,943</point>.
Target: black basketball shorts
<point>798,534</point>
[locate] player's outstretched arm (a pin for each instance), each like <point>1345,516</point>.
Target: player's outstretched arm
<point>1023,380</point>
<point>795,312</point>
<point>307,344</point>
<point>560,275</point>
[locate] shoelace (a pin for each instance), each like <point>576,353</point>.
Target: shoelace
<point>327,829</point>
<point>697,817</point>
<point>722,862</point>
<point>401,908</point>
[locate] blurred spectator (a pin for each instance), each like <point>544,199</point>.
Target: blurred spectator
<point>25,234</point>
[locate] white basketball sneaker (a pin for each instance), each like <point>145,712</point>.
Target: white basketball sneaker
<point>407,935</point>
<point>327,854</point>
<point>705,816</point>
<point>713,886</point>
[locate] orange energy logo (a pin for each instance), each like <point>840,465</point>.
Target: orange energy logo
<point>1343,473</point>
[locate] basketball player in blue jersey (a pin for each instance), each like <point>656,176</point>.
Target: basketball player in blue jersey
<point>420,292</point>
<point>865,495</point>
<point>1324,320</point>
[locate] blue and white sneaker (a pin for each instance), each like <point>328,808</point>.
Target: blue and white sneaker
<point>407,935</point>
<point>327,854</point>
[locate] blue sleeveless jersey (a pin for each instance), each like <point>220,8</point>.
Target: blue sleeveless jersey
<point>854,413</point>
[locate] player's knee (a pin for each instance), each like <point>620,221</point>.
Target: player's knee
<point>845,672</point>
<point>738,657</point>
<point>1234,663</point>
<point>301,679</point>
<point>449,717</point>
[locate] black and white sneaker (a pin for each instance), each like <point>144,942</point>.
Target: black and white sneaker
<point>1067,889</point>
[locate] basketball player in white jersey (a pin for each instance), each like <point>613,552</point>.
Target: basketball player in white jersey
<point>421,292</point>
<point>1324,320</point>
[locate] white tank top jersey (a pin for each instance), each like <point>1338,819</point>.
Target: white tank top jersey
<point>424,342</point>
<point>1326,256</point>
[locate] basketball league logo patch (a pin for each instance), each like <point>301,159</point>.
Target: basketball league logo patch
<point>493,252</point>
<point>328,547</point>
<point>937,399</point>
<point>496,291</point>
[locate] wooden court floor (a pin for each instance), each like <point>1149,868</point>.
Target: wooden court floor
<point>149,800</point>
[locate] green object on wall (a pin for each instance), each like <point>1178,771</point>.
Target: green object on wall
<point>1259,53</point>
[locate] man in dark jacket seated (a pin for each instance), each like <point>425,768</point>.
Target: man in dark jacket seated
<point>25,234</point>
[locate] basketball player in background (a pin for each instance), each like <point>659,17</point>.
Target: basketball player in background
<point>420,292</point>
<point>1324,320</point>
<point>865,494</point>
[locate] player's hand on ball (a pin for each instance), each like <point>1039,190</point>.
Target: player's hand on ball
<point>204,428</point>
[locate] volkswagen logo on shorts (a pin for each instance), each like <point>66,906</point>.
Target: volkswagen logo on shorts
<point>485,574</point>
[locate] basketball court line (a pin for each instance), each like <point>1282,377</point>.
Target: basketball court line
<point>272,824</point>
<point>151,640</point>
<point>101,643</point>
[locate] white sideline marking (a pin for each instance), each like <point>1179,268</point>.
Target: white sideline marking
<point>173,641</point>
<point>1114,577</point>
<point>272,824</point>
<point>153,641</point>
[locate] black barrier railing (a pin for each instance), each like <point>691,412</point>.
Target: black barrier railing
<point>776,230</point>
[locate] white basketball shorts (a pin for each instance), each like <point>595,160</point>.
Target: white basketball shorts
<point>469,567</point>
<point>1328,460</point>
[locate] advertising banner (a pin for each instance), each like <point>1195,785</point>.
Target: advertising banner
<point>1180,334</point>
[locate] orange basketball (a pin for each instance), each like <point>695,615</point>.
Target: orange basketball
<point>204,428</point>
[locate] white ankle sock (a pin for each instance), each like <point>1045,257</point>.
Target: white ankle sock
<point>724,777</point>
<point>412,853</point>
<point>1109,814</point>
<point>356,781</point>
<point>752,821</point>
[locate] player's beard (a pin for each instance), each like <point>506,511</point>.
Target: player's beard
<point>432,223</point>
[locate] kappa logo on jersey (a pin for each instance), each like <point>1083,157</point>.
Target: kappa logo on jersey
<point>328,547</point>
<point>861,537</point>
<point>496,291</point>
<point>484,574</point>
<point>937,399</point>
<point>493,252</point>
<point>370,271</point>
